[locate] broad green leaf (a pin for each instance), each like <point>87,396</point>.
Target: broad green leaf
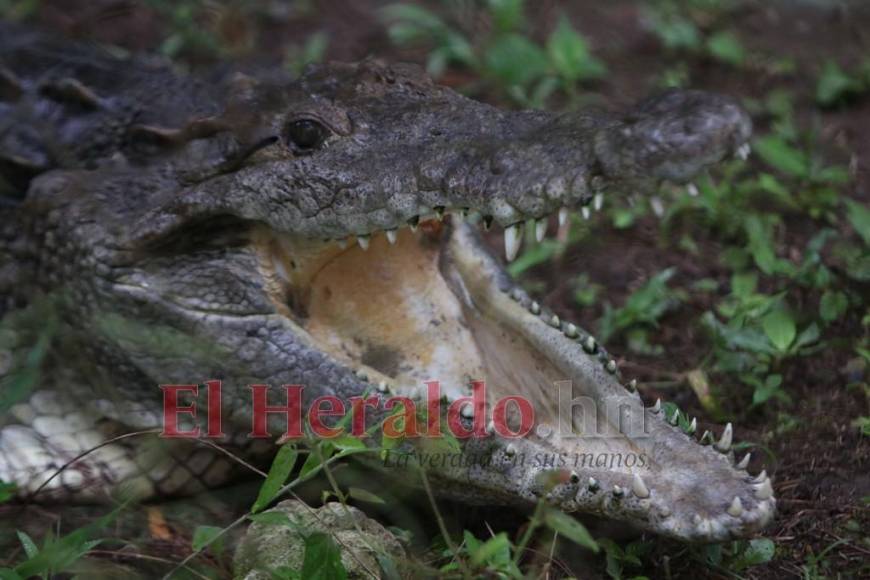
<point>7,491</point>
<point>515,60</point>
<point>859,217</point>
<point>779,154</point>
<point>322,559</point>
<point>779,326</point>
<point>834,84</point>
<point>757,552</point>
<point>282,465</point>
<point>496,550</point>
<point>345,442</point>
<point>724,46</point>
<point>569,54</point>
<point>833,305</point>
<point>570,528</point>
<point>204,536</point>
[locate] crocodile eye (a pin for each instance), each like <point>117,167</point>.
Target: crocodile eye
<point>305,134</point>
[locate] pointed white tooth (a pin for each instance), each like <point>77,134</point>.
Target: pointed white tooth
<point>571,331</point>
<point>704,528</point>
<point>707,438</point>
<point>618,491</point>
<point>363,242</point>
<point>764,490</point>
<point>693,426</point>
<point>585,212</point>
<point>563,216</point>
<point>490,427</point>
<point>610,366</point>
<point>743,151</point>
<point>512,238</point>
<point>593,484</point>
<point>692,190</point>
<point>725,442</point>
<point>541,229</point>
<point>761,476</point>
<point>639,487</point>
<point>392,236</point>
<point>382,387</point>
<point>510,450</point>
<point>535,308</point>
<point>736,507</point>
<point>598,201</point>
<point>632,385</point>
<point>675,418</point>
<point>657,407</point>
<point>744,463</point>
<point>467,411</point>
<point>555,322</point>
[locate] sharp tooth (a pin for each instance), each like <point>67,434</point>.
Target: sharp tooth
<point>725,442</point>
<point>706,438</point>
<point>563,217</point>
<point>571,331</point>
<point>467,411</point>
<point>692,190</point>
<point>490,427</point>
<point>761,476</point>
<point>632,385</point>
<point>487,222</point>
<point>413,222</point>
<point>555,322</point>
<point>589,345</point>
<point>693,426</point>
<point>610,366</point>
<point>639,487</point>
<point>736,507</point>
<point>382,387</point>
<point>510,450</point>
<point>743,151</point>
<point>618,491</point>
<point>585,212</point>
<point>744,463</point>
<point>598,201</point>
<point>392,236</point>
<point>675,418</point>
<point>439,211</point>
<point>593,485</point>
<point>574,477</point>
<point>764,490</point>
<point>361,375</point>
<point>540,229</point>
<point>363,242</point>
<point>657,407</point>
<point>535,308</point>
<point>512,237</point>
<point>517,294</point>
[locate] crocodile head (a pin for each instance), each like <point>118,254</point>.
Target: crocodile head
<point>312,233</point>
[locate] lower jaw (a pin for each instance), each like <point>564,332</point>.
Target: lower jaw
<point>436,306</point>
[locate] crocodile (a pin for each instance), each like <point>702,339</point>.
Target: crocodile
<point>325,231</point>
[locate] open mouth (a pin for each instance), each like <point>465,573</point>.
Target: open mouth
<point>431,303</point>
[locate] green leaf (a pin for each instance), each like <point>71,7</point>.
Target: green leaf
<point>724,46</point>
<point>282,465</point>
<point>206,535</point>
<point>347,442</point>
<point>364,495</point>
<point>515,60</point>
<point>779,326</point>
<point>569,54</point>
<point>272,518</point>
<point>859,217</point>
<point>757,552</point>
<point>833,305</point>
<point>507,15</point>
<point>534,255</point>
<point>7,491</point>
<point>570,528</point>
<point>495,551</point>
<point>834,85</point>
<point>30,547</point>
<point>779,154</point>
<point>322,560</point>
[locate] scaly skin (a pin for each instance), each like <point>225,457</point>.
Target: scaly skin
<point>187,230</point>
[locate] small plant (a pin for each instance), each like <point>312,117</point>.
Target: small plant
<point>505,57</point>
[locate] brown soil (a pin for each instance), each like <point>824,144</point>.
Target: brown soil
<point>821,467</point>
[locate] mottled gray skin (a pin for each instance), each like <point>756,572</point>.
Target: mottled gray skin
<point>136,198</point>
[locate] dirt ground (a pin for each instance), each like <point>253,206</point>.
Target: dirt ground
<point>820,468</point>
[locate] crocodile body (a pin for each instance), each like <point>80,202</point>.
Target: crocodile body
<point>191,229</point>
